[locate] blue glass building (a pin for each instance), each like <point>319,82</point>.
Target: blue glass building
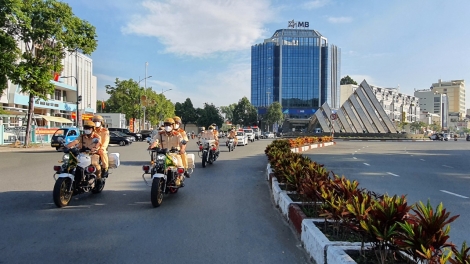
<point>299,69</point>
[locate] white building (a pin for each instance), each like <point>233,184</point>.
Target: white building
<point>398,106</point>
<point>434,107</point>
<point>61,106</point>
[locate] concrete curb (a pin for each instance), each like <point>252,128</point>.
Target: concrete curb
<point>317,245</point>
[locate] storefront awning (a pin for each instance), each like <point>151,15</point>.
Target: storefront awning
<point>56,119</point>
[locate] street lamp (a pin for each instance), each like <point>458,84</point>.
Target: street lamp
<point>79,98</point>
<point>140,102</point>
<point>161,115</point>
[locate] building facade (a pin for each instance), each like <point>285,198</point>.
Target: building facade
<point>398,106</point>
<point>297,68</point>
<point>455,91</point>
<point>60,107</point>
<point>434,107</point>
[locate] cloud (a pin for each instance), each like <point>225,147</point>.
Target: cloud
<point>199,28</point>
<point>221,89</point>
<point>340,20</point>
<point>161,86</point>
<point>315,4</point>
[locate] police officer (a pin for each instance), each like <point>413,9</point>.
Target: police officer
<point>86,141</point>
<point>183,134</point>
<point>233,134</point>
<point>103,132</point>
<point>168,138</point>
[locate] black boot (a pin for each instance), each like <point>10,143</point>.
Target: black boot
<point>104,173</point>
<point>187,175</point>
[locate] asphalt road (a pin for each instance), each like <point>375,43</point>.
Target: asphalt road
<point>224,214</point>
<point>438,171</point>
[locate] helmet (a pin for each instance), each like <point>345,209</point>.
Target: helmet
<point>169,121</point>
<point>88,123</point>
<point>177,119</point>
<point>214,125</point>
<point>203,128</point>
<point>211,127</point>
<point>97,118</point>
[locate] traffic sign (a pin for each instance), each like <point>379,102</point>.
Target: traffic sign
<point>333,116</point>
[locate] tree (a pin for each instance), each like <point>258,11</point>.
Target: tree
<point>435,127</point>
<point>228,111</point>
<point>274,114</point>
<point>159,107</point>
<point>347,80</point>
<point>48,29</point>
<point>128,98</point>
<point>186,111</point>
<point>244,113</point>
<point>208,115</point>
<point>417,126</point>
<point>124,98</point>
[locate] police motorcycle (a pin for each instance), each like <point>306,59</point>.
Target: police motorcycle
<point>207,151</point>
<point>77,175</point>
<point>166,176</point>
<point>231,144</point>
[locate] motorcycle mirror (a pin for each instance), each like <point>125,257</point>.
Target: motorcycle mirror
<point>95,140</point>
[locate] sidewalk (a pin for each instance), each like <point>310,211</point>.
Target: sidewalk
<point>39,147</point>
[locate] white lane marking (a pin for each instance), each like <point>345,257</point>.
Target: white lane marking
<point>422,159</point>
<point>458,195</point>
<point>447,166</point>
<point>354,158</point>
<point>393,174</point>
<point>366,164</point>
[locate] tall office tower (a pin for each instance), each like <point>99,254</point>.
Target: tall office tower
<point>297,68</point>
<point>455,91</point>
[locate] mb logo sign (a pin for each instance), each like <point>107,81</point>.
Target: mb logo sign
<point>293,24</point>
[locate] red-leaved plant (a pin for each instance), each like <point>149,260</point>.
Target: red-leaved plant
<point>425,233</point>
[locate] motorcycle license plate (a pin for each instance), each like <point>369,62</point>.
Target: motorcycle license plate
<point>55,144</point>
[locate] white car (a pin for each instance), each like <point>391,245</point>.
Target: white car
<point>268,135</point>
<point>250,134</point>
<point>242,138</point>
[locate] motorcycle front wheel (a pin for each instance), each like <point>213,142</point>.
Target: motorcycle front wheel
<point>229,148</point>
<point>156,195</point>
<point>61,194</point>
<point>204,159</point>
<point>211,157</point>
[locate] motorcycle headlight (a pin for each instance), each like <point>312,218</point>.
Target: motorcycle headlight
<point>65,158</point>
<point>161,157</point>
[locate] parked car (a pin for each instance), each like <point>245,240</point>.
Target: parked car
<point>440,136</point>
<point>120,134</point>
<point>137,136</point>
<point>145,134</point>
<point>268,135</point>
<point>67,134</point>
<point>118,138</point>
<point>242,138</point>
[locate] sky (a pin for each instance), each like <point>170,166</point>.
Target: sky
<point>201,49</point>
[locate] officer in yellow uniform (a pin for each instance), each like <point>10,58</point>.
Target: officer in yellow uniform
<point>183,134</point>
<point>168,138</point>
<point>86,141</point>
<point>103,132</point>
<point>233,134</point>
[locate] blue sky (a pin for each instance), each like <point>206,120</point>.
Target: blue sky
<point>201,48</point>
